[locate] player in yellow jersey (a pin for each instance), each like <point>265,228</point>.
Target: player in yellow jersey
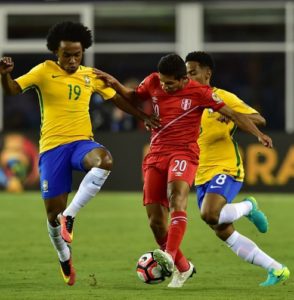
<point>220,175</point>
<point>64,88</point>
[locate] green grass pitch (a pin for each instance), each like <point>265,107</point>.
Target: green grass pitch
<point>110,235</point>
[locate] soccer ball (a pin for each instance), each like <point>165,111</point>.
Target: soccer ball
<point>148,270</point>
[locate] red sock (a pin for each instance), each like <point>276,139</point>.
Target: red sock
<point>176,232</point>
<point>181,261</point>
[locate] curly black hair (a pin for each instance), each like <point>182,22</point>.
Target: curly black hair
<point>203,58</point>
<point>172,65</point>
<point>68,31</point>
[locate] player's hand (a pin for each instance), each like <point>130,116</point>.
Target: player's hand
<point>152,122</point>
<point>107,78</point>
<point>6,65</point>
<point>266,141</point>
<point>223,119</point>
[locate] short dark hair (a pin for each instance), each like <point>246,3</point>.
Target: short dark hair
<point>68,31</point>
<point>172,65</point>
<point>203,58</point>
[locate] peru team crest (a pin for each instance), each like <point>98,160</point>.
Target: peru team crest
<point>186,104</point>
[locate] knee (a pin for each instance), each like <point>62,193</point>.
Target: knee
<point>103,161</point>
<point>178,200</point>
<point>210,218</point>
<point>107,162</point>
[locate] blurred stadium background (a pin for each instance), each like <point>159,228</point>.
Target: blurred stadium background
<point>252,43</point>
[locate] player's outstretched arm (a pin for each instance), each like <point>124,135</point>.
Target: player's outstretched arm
<point>257,119</point>
<point>127,93</point>
<point>246,124</point>
<point>10,86</point>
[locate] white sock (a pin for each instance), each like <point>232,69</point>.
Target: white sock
<point>89,187</point>
<point>233,212</point>
<point>59,244</point>
<point>248,251</point>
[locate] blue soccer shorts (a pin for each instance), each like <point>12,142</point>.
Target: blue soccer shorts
<point>56,166</point>
<point>221,184</point>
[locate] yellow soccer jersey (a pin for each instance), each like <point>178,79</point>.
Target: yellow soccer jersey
<point>64,102</point>
<point>219,152</point>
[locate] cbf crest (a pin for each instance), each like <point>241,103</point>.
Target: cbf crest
<point>87,80</point>
<point>186,104</point>
<point>45,185</point>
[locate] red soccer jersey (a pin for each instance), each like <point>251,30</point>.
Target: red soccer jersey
<point>180,112</point>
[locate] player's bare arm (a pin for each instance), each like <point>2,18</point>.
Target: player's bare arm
<point>10,86</point>
<point>246,124</point>
<point>257,119</point>
<point>149,121</point>
<point>127,93</point>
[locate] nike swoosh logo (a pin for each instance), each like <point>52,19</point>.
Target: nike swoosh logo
<point>279,276</point>
<point>95,183</point>
<point>55,76</point>
<point>215,186</point>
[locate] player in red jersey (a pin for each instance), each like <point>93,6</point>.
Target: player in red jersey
<point>170,166</point>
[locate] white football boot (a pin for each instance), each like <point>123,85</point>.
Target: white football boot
<point>179,278</point>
